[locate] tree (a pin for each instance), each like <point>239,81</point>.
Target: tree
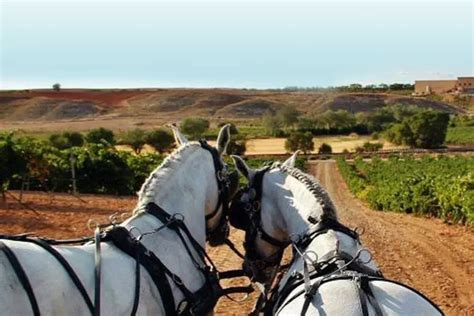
<point>288,116</point>
<point>100,135</point>
<point>400,134</point>
<point>66,140</point>
<point>161,140</point>
<point>426,129</point>
<point>56,87</point>
<point>74,139</point>
<point>272,124</point>
<point>306,124</point>
<point>194,126</point>
<point>429,128</point>
<point>134,138</point>
<point>301,141</point>
<point>325,149</point>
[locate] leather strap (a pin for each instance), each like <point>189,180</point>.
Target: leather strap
<point>97,272</point>
<point>67,267</point>
<point>21,275</point>
<point>136,300</point>
<point>123,241</point>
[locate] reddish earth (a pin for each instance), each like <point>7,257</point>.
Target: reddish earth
<point>435,258</point>
<point>106,97</point>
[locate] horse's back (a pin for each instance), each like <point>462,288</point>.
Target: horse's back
<point>341,297</point>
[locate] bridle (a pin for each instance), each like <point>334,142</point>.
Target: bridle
<point>333,262</point>
<point>219,234</point>
<point>252,224</point>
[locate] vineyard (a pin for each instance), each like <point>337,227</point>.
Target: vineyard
<point>96,168</point>
<point>442,187</point>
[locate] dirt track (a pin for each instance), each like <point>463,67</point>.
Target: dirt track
<point>436,258</point>
<point>433,257</point>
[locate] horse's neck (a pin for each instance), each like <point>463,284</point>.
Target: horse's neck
<point>189,190</point>
<point>287,206</point>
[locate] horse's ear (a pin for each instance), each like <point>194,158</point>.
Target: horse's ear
<point>242,167</point>
<point>223,139</point>
<point>290,162</point>
<point>178,136</point>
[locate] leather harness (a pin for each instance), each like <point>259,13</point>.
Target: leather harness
<point>336,265</point>
<point>195,303</point>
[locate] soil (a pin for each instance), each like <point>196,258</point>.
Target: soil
<point>434,257</point>
<point>81,108</point>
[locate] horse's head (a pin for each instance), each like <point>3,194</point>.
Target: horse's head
<point>272,210</point>
<point>218,195</point>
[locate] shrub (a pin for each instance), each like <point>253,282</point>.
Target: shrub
<point>161,140</point>
<point>194,126</point>
<point>101,135</point>
<point>325,149</point>
<point>301,141</point>
<point>66,140</point>
<point>134,138</point>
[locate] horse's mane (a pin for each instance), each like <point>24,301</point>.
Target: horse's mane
<point>313,185</point>
<point>165,169</point>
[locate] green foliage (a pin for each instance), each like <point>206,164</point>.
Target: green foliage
<point>461,131</point>
<point>56,87</point>
<point>442,187</point>
<point>301,141</point>
<point>257,163</point>
<point>426,129</point>
<point>194,127</point>
<point>134,138</point>
<point>100,135</point>
<point>288,116</point>
<point>325,149</point>
<point>272,123</point>
<point>369,147</point>
<point>161,140</point>
<point>460,135</point>
<point>66,140</point>
<point>11,161</point>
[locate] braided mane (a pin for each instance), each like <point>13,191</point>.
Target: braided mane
<point>165,169</point>
<point>313,185</point>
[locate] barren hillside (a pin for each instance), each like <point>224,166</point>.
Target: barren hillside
<point>36,106</point>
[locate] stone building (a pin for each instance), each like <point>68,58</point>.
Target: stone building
<point>460,85</point>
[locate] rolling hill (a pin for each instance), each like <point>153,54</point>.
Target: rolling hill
<point>161,105</point>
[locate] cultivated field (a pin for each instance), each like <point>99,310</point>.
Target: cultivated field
<point>434,257</point>
<point>272,146</point>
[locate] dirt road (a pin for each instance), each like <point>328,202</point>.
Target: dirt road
<point>433,257</point>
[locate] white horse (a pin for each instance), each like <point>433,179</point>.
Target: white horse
<point>331,273</point>
<point>185,184</point>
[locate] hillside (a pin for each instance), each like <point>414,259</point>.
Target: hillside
<point>36,106</point>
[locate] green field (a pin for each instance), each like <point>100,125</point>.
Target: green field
<point>460,135</point>
<point>441,187</point>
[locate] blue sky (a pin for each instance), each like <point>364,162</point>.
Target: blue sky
<point>254,44</point>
